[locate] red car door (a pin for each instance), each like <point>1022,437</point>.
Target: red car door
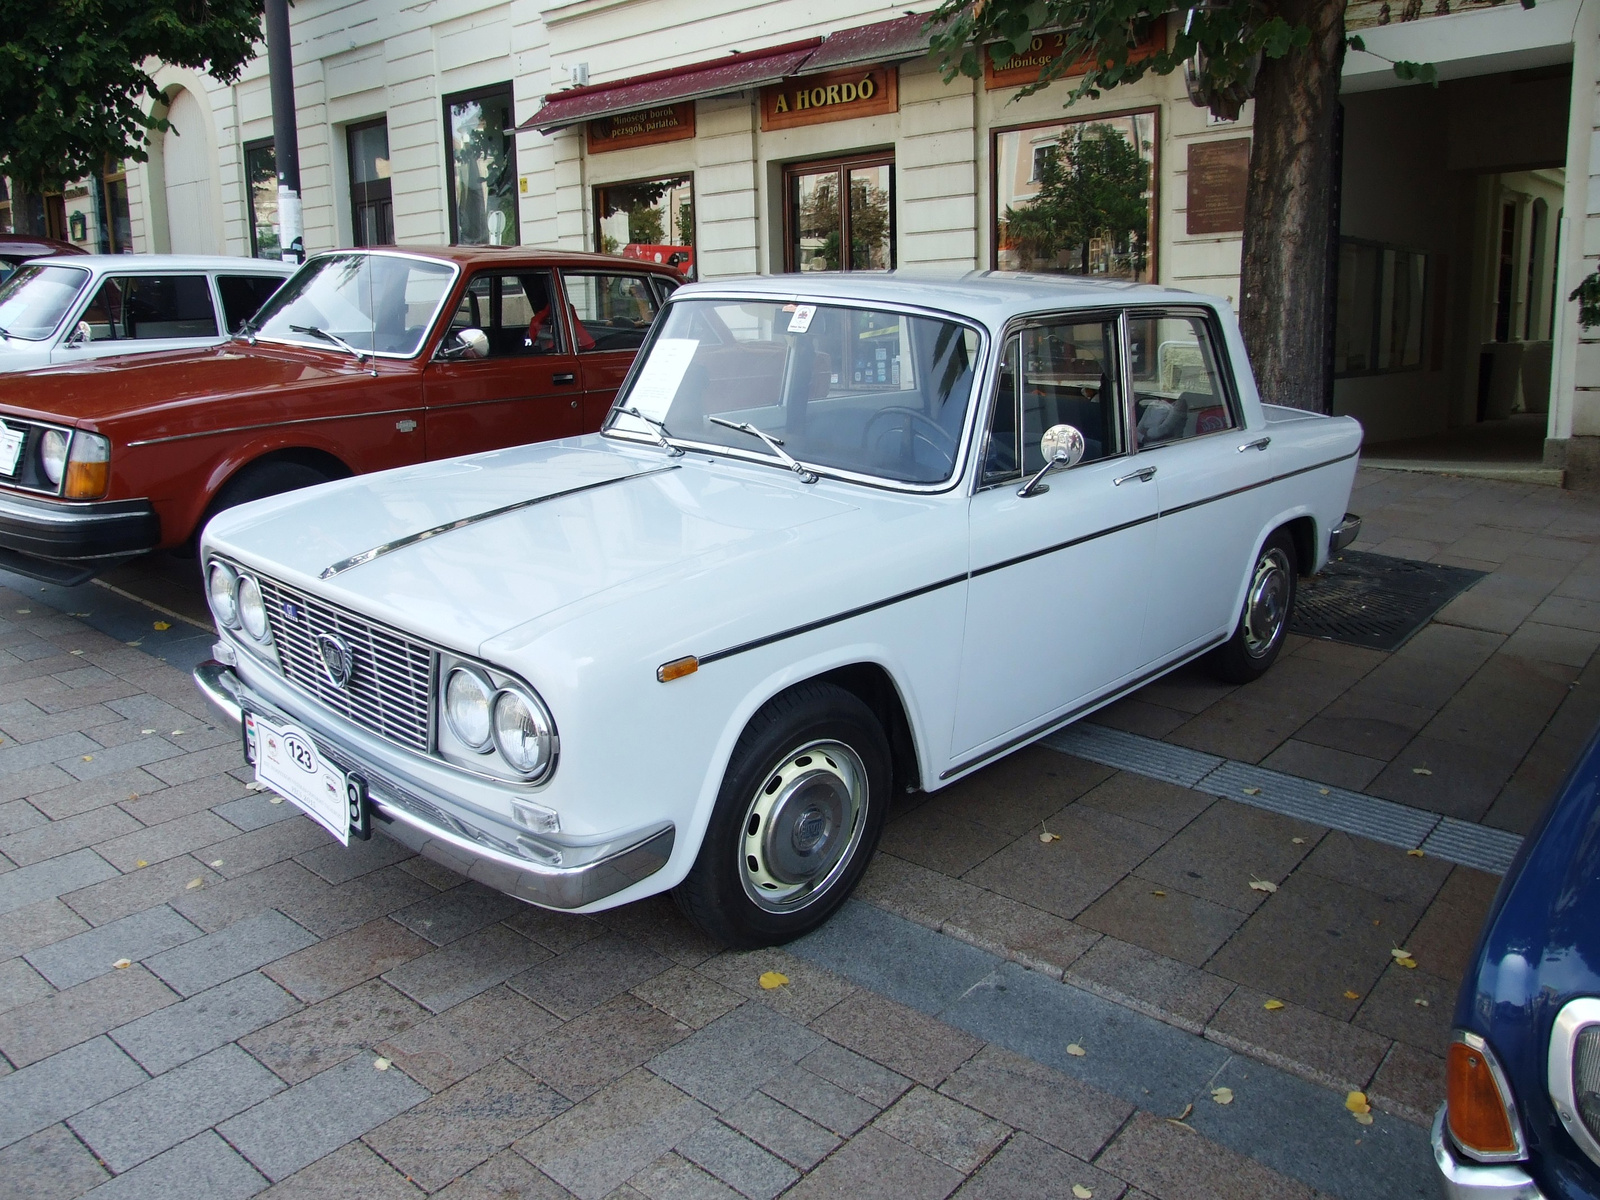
<point>611,312</point>
<point>524,387</point>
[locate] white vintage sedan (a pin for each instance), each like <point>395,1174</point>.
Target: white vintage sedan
<point>842,538</point>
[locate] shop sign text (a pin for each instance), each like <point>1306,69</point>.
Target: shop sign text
<point>1019,70</point>
<point>836,96</point>
<point>666,123</point>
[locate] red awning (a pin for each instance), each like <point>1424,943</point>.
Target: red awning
<point>885,41</point>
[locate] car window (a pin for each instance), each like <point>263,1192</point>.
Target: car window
<point>147,307</point>
<point>513,310</point>
<point>612,312</point>
<point>34,299</point>
<point>243,296</point>
<point>1177,380</point>
<point>1055,373</point>
<point>380,302</point>
<point>875,392</point>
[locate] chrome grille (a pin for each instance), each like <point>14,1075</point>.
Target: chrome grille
<point>390,692</point>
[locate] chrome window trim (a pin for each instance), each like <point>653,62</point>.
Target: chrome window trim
<point>1219,350</point>
<point>1575,1016</point>
<point>74,306</point>
<point>1503,1086</point>
<point>981,381</point>
<point>430,326</point>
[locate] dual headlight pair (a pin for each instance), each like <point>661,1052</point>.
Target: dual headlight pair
<point>506,717</point>
<point>80,458</point>
<point>236,600</point>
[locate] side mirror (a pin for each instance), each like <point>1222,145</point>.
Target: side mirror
<point>1062,447</point>
<point>80,336</point>
<point>467,343</point>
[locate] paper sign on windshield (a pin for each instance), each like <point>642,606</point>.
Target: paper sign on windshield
<point>653,391</point>
<point>801,321</point>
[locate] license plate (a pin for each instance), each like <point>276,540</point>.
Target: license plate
<point>288,762</point>
<point>10,448</point>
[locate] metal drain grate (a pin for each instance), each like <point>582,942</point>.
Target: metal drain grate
<point>1375,601</point>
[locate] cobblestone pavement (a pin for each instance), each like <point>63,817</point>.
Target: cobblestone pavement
<point>201,995</point>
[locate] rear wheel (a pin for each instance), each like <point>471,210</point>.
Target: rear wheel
<point>1264,620</point>
<point>799,814</point>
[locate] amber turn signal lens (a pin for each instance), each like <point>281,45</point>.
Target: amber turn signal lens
<point>677,668</point>
<point>87,480</point>
<point>1478,1113</point>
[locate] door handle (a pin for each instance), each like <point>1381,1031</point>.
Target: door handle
<point>1258,444</point>
<point>1143,475</point>
<point>564,377</point>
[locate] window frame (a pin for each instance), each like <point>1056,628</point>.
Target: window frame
<point>496,90</point>
<point>386,186</point>
<point>123,278</point>
<point>496,276</point>
<point>841,166</point>
<point>596,216</point>
<point>255,145</point>
<point>574,321</point>
<point>1227,383</point>
<point>1375,330</point>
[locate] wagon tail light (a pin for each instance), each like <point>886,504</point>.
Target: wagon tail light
<point>88,467</point>
<point>1481,1111</point>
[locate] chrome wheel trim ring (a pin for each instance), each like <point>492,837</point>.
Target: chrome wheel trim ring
<point>802,827</point>
<point>1266,604</point>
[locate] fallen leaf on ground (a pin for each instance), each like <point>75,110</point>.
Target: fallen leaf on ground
<point>1421,771</point>
<point>176,733</point>
<point>772,979</point>
<point>1298,841</point>
<point>163,624</point>
<point>147,731</point>
<point>255,786</point>
<point>1048,837</point>
<point>123,964</point>
<point>1222,1095</point>
<point>1399,953</point>
<point>1363,1118</point>
<point>78,614</point>
<point>1409,964</point>
<point>1273,1005</point>
<point>1349,995</point>
<point>1356,1102</point>
<point>194,883</point>
<point>88,758</point>
<point>380,1064</point>
<point>1163,895</point>
<point>1263,885</point>
<point>74,651</point>
<point>1081,1192</point>
<point>141,863</point>
<point>1417,853</point>
<point>218,863</point>
<point>24,611</point>
<point>274,799</point>
<point>1252,791</point>
<point>140,642</point>
<point>1076,1050</point>
<point>1325,791</point>
<point>1420,1002</point>
<point>1187,1109</point>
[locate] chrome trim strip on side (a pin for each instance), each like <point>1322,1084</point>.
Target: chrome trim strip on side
<point>1265,482</point>
<point>411,539</point>
<point>1099,701</point>
<point>185,437</point>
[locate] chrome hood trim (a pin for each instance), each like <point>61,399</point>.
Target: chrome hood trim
<point>411,539</point>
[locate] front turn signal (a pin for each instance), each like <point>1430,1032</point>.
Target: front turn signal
<point>1480,1111</point>
<point>88,467</point>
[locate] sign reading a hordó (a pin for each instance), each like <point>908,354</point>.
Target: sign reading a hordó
<point>836,96</point>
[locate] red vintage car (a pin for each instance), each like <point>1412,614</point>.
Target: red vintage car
<point>365,359</point>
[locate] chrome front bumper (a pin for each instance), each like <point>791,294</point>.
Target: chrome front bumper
<point>571,876</point>
<point>1462,1179</point>
<point>1345,532</point>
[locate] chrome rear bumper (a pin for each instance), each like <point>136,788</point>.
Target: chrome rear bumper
<point>568,877</point>
<point>1463,1179</point>
<point>1345,532</point>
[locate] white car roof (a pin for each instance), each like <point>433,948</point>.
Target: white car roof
<point>106,264</point>
<point>989,297</point>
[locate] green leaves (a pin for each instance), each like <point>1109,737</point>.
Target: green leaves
<point>1587,295</point>
<point>1413,72</point>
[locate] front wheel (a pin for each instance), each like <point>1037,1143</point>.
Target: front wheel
<point>799,814</point>
<point>1264,621</point>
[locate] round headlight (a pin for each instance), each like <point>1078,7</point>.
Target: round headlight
<point>252,609</point>
<point>53,455</point>
<point>222,585</point>
<point>466,706</point>
<point>522,732</point>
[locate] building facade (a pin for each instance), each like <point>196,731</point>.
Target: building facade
<point>796,135</point>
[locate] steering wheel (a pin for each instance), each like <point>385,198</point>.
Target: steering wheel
<point>918,427</point>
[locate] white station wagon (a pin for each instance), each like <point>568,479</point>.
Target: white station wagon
<point>70,309</point>
<point>841,538</point>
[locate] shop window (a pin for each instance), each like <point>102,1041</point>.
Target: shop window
<point>371,203</point>
<point>483,167</point>
<point>1077,197</point>
<point>1382,300</point>
<point>119,220</point>
<point>840,216</point>
<point>261,175</point>
<point>648,219</point>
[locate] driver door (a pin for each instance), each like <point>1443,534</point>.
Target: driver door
<point>525,387</point>
<point>1057,594</point>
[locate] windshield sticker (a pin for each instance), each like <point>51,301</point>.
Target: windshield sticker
<point>657,384</point>
<point>801,321</point>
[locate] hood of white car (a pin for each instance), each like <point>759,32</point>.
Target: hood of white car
<point>463,550</point>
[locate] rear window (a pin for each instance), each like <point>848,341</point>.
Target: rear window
<point>243,296</point>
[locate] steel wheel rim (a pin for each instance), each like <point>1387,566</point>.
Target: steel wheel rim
<point>802,827</point>
<point>1266,605</point>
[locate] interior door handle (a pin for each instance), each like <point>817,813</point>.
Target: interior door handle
<point>1143,475</point>
<point>1258,444</point>
<point>564,377</point>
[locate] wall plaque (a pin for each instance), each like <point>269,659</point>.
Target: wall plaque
<point>1219,174</point>
<point>668,123</point>
<point>836,96</point>
<point>1022,69</point>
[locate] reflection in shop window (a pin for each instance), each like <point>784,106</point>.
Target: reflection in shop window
<point>1382,300</point>
<point>483,168</point>
<point>650,219</point>
<point>1077,197</point>
<point>261,172</point>
<point>829,235</point>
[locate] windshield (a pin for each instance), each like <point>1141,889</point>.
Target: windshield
<point>870,391</point>
<point>378,302</point>
<point>33,301</point>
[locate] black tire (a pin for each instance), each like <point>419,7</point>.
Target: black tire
<point>259,480</point>
<point>807,789</point>
<point>1264,620</point>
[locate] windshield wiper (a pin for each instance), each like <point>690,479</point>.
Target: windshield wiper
<point>5,333</point>
<point>806,474</point>
<point>663,434</point>
<point>329,337</point>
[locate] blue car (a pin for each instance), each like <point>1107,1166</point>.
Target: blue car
<point>1521,1119</point>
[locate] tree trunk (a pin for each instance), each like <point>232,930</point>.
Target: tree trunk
<point>1284,277</point>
